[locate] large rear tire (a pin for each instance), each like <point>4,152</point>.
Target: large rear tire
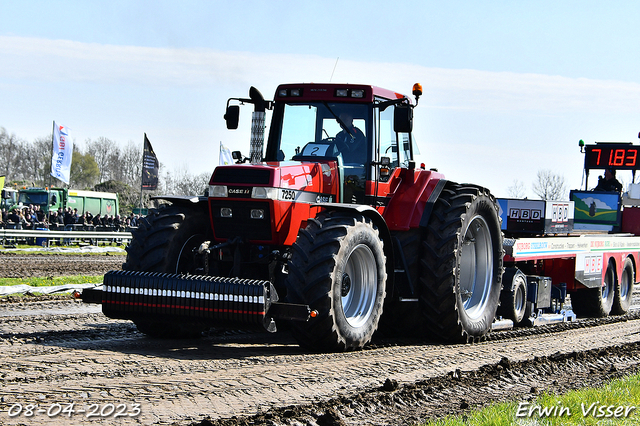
<point>624,289</point>
<point>596,302</point>
<point>163,243</point>
<point>461,264</point>
<point>337,267</point>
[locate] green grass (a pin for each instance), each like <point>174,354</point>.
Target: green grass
<point>49,281</point>
<point>591,406</point>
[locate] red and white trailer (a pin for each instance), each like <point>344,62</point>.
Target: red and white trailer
<point>587,247</point>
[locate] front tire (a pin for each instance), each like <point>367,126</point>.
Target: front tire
<point>165,239</point>
<point>163,243</point>
<point>462,264</point>
<point>337,267</point>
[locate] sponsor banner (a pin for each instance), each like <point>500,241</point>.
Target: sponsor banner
<point>536,216</point>
<point>558,246</point>
<point>149,167</point>
<point>62,153</point>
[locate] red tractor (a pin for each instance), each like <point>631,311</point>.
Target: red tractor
<point>331,229</point>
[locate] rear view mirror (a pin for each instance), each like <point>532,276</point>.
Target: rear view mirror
<point>403,119</point>
<point>231,116</point>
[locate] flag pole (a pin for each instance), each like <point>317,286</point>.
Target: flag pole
<point>142,176</point>
<point>53,131</point>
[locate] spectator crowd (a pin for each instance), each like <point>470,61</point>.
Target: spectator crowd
<point>33,217</point>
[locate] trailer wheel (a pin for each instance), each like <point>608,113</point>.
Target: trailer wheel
<point>596,302</point>
<point>513,297</point>
<point>461,264</point>
<point>163,243</point>
<point>624,289</point>
<point>337,267</point>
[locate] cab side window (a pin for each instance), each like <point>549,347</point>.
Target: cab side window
<point>388,141</point>
<point>396,146</point>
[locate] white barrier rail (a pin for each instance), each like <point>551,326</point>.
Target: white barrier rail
<point>6,234</point>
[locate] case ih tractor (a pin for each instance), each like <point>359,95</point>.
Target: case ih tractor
<point>331,229</point>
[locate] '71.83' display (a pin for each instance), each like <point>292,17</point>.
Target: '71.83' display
<point>618,156</point>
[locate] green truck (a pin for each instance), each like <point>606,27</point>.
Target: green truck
<point>9,198</point>
<point>103,203</point>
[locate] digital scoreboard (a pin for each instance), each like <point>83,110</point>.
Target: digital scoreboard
<point>622,156</point>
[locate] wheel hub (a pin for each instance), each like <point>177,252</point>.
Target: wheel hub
<point>345,285</point>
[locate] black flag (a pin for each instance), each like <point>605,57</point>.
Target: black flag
<point>149,167</point>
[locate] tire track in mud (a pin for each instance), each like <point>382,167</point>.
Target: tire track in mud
<point>228,377</point>
<point>91,359</point>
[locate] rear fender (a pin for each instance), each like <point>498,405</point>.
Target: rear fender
<point>412,202</point>
<point>189,201</point>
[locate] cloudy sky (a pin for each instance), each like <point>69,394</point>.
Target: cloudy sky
<point>509,86</point>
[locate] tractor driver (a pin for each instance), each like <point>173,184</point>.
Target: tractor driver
<point>351,141</point>
<point>608,182</point>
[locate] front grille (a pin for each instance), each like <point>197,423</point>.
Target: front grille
<point>241,224</point>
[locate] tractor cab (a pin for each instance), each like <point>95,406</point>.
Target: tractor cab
<point>365,130</point>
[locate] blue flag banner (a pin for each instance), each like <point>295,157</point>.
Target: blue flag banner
<point>62,153</point>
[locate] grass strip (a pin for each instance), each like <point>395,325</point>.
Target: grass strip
<point>50,281</point>
<point>615,403</point>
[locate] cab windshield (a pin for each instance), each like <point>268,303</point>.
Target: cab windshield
<point>319,123</point>
<point>27,198</point>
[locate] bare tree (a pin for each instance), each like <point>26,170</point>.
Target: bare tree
<point>37,160</point>
<point>131,162</point>
<point>550,186</point>
<point>517,190</point>
<point>103,151</point>
<point>10,147</point>
<point>182,182</point>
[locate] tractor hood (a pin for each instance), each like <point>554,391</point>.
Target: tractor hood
<point>268,202</point>
<point>278,180</point>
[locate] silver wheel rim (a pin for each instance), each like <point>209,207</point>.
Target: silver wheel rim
<point>358,286</point>
<point>476,267</point>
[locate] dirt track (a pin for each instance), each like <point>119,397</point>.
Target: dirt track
<point>14,265</point>
<point>86,358</point>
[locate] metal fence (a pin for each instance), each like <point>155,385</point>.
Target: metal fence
<point>44,237</point>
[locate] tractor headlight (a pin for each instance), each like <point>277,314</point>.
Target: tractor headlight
<point>264,193</point>
<point>257,214</point>
<point>218,191</point>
